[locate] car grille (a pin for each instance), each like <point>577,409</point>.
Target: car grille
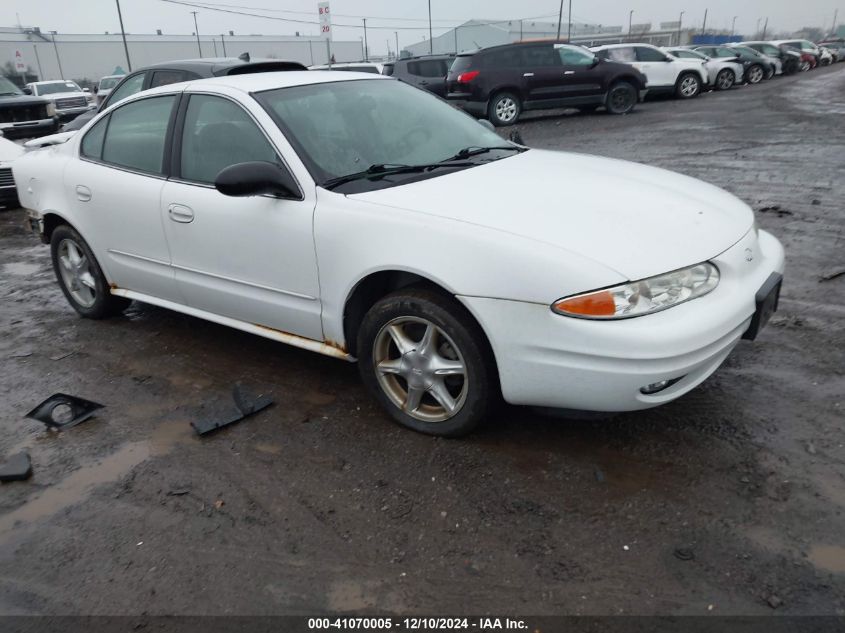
<point>22,114</point>
<point>6,179</point>
<point>71,102</point>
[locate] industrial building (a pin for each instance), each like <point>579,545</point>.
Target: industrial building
<point>50,55</point>
<point>482,33</point>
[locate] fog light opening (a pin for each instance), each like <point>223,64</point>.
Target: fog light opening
<point>657,387</point>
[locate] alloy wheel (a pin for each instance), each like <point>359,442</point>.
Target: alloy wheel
<point>725,80</point>
<point>755,75</point>
<point>76,272</point>
<point>506,109</point>
<point>420,369</point>
<point>621,99</point>
<point>689,86</point>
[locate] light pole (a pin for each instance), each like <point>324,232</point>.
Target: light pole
<point>704,24</point>
<point>733,26</point>
<point>223,40</point>
<point>559,18</point>
<point>396,33</point>
<point>430,36</point>
<point>58,59</point>
<point>630,19</point>
<point>366,47</point>
<point>569,25</point>
<point>123,34</point>
<point>680,21</point>
<point>197,31</point>
<point>765,28</point>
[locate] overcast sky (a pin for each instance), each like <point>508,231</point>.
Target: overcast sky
<point>145,16</point>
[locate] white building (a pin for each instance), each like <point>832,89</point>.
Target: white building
<point>71,56</point>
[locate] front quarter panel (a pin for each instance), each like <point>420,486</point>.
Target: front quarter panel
<point>354,239</point>
<point>39,176</point>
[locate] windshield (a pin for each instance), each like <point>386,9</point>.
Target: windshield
<point>8,88</point>
<point>59,86</point>
<point>345,127</point>
<point>107,83</point>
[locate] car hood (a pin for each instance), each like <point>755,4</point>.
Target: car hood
<point>64,95</point>
<point>640,221</point>
<point>9,151</point>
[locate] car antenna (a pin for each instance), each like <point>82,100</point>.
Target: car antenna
<point>244,57</point>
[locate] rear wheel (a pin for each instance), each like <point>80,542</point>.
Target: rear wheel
<point>688,86</point>
<point>621,98</point>
<point>504,109</point>
<point>725,79</point>
<point>427,362</point>
<point>755,74</point>
<point>80,277</point>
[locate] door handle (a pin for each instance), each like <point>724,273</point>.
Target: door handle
<point>423,83</point>
<point>83,193</point>
<point>527,74</point>
<point>568,72</point>
<point>180,213</point>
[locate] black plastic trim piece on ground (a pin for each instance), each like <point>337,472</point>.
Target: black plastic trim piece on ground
<point>245,407</point>
<point>17,468</point>
<point>80,410</point>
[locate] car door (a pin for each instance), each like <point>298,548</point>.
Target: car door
<point>115,187</point>
<point>252,258</point>
<point>542,73</point>
<point>429,74</point>
<point>582,76</point>
<point>657,67</point>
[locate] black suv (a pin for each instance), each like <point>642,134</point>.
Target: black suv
<point>183,70</point>
<point>22,116</point>
<point>502,81</point>
<point>428,73</point>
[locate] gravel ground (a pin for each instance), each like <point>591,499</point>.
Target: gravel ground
<point>727,501</point>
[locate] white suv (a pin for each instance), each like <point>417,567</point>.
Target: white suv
<point>664,72</point>
<point>723,73</point>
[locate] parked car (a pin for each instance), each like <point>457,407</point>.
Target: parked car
<point>836,46</point>
<point>723,73</point>
<point>501,82</point>
<point>790,60</point>
<point>259,206</point>
<point>756,66</point>
<point>68,98</point>
<point>182,70</point>
<point>106,85</point>
<point>826,57</point>
<point>23,115</point>
<point>354,67</point>
<point>804,46</point>
<point>428,72</point>
<point>9,151</point>
<point>664,72</point>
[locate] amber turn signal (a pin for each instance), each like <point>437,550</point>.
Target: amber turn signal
<point>595,304</point>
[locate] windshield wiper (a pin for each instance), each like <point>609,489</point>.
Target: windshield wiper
<point>475,151</point>
<point>381,170</point>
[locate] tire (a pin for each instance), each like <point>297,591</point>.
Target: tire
<point>805,66</point>
<point>504,109</point>
<point>621,98</point>
<point>755,74</point>
<point>80,277</point>
<point>456,344</point>
<point>825,62</point>
<point>688,86</point>
<point>725,79</point>
<point>770,72</point>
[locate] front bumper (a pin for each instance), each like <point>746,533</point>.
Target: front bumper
<point>27,129</point>
<point>548,360</point>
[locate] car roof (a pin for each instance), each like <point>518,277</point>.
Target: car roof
<point>259,82</point>
<point>213,66</point>
<point>624,45</point>
<point>54,81</point>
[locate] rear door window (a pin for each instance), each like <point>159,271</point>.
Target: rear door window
<point>427,68</point>
<point>646,54</point>
<point>136,134</point>
<point>539,56</point>
<point>502,58</point>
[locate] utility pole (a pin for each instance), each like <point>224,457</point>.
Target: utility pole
<point>835,17</point>
<point>366,47</point>
<point>680,21</point>
<point>223,40</point>
<point>569,26</point>
<point>123,34</point>
<point>456,40</point>
<point>197,31</point>
<point>733,26</point>
<point>58,59</point>
<point>430,36</point>
<point>630,18</point>
<point>396,33</point>
<point>559,18</point>
<point>704,24</point>
<point>765,28</point>
<point>757,32</point>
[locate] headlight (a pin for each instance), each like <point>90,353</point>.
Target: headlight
<point>641,297</point>
<point>51,109</point>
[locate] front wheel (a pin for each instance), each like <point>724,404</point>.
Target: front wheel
<point>427,362</point>
<point>755,74</point>
<point>688,86</point>
<point>504,109</point>
<point>621,98</point>
<point>80,277</point>
<point>725,79</point>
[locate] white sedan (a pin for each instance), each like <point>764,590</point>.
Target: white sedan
<point>358,217</point>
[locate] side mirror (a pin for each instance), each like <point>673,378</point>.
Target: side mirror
<point>487,124</point>
<point>27,91</point>
<point>256,178</point>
